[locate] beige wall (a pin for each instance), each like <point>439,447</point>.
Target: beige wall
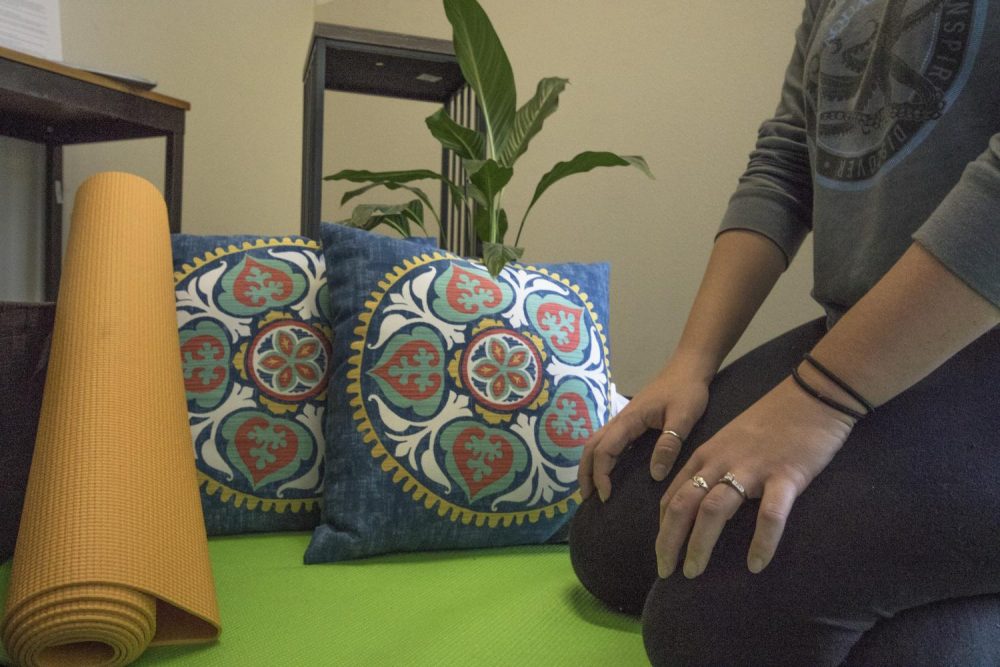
<point>683,83</point>
<point>239,63</point>
<point>22,216</point>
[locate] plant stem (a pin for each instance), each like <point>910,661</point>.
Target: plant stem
<point>495,218</point>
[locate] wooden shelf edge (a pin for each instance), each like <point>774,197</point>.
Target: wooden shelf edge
<point>96,79</point>
<point>396,40</point>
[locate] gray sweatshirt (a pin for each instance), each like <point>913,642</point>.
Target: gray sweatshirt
<point>888,132</point>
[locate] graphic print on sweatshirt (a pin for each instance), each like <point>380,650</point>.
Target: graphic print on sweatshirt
<point>879,74</point>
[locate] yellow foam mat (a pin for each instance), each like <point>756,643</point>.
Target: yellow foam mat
<point>111,555</point>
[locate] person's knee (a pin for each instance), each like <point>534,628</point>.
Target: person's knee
<point>612,543</point>
<point>728,616</point>
<point>609,555</point>
<point>958,631</point>
<point>679,626</point>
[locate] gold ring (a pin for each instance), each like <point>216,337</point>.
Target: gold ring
<point>700,482</point>
<point>730,479</point>
<point>675,434</point>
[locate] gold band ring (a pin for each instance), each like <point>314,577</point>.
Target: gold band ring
<point>674,434</point>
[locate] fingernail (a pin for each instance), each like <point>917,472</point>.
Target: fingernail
<point>755,564</point>
<point>659,472</point>
<point>604,496</point>
<point>691,569</point>
<point>662,569</point>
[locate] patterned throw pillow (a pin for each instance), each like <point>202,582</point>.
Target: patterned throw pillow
<point>255,344</point>
<point>458,402</point>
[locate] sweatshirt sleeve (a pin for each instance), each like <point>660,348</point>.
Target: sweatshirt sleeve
<point>963,233</point>
<point>774,195</point>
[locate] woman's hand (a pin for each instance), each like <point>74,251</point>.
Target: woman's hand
<point>774,449</point>
<point>743,267</point>
<point>674,400</point>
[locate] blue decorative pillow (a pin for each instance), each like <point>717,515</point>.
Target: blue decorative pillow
<point>458,403</point>
<point>255,344</point>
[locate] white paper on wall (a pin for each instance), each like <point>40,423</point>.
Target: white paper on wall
<point>31,26</point>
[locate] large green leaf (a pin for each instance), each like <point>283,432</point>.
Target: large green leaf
<point>406,176</point>
<point>401,186</point>
<point>364,176</point>
<point>396,216</point>
<point>502,225</point>
<point>369,216</point>
<point>414,210</point>
<point>481,223</point>
<point>485,66</point>
<point>489,177</point>
<point>529,119</point>
<point>474,193</point>
<point>497,255</point>
<point>390,185</point>
<point>466,143</point>
<point>361,216</point>
<point>397,222</point>
<point>582,163</point>
<point>348,196</point>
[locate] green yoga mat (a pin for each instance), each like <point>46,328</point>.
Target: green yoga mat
<point>514,606</point>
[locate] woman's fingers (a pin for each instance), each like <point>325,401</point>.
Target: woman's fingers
<point>674,394</point>
<point>718,507</point>
<point>678,511</point>
<point>585,472</point>
<point>699,515</point>
<point>775,506</point>
<point>668,446</point>
<point>615,435</point>
<point>772,451</point>
<point>683,479</point>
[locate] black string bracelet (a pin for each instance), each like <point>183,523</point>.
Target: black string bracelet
<point>836,405</point>
<point>837,381</point>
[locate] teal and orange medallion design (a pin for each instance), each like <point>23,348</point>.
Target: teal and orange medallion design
<point>477,393</point>
<point>502,369</point>
<point>255,348</point>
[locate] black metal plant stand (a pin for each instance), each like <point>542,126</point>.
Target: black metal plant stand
<point>390,65</point>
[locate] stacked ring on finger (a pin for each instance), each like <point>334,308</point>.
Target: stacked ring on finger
<point>700,482</point>
<point>730,480</point>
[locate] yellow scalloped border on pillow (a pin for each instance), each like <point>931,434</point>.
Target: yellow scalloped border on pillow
<point>211,255</point>
<point>402,476</point>
<point>240,499</point>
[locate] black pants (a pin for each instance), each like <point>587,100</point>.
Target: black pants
<point>890,557</point>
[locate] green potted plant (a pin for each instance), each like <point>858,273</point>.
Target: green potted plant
<point>489,156</point>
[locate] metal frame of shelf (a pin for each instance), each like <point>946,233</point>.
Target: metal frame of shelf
<point>49,103</point>
<point>386,64</point>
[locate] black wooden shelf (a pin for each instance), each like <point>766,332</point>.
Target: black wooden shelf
<point>49,103</point>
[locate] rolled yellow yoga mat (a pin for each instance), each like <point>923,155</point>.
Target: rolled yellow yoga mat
<point>112,556</point>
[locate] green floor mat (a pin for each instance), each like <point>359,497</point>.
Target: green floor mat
<point>514,606</point>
